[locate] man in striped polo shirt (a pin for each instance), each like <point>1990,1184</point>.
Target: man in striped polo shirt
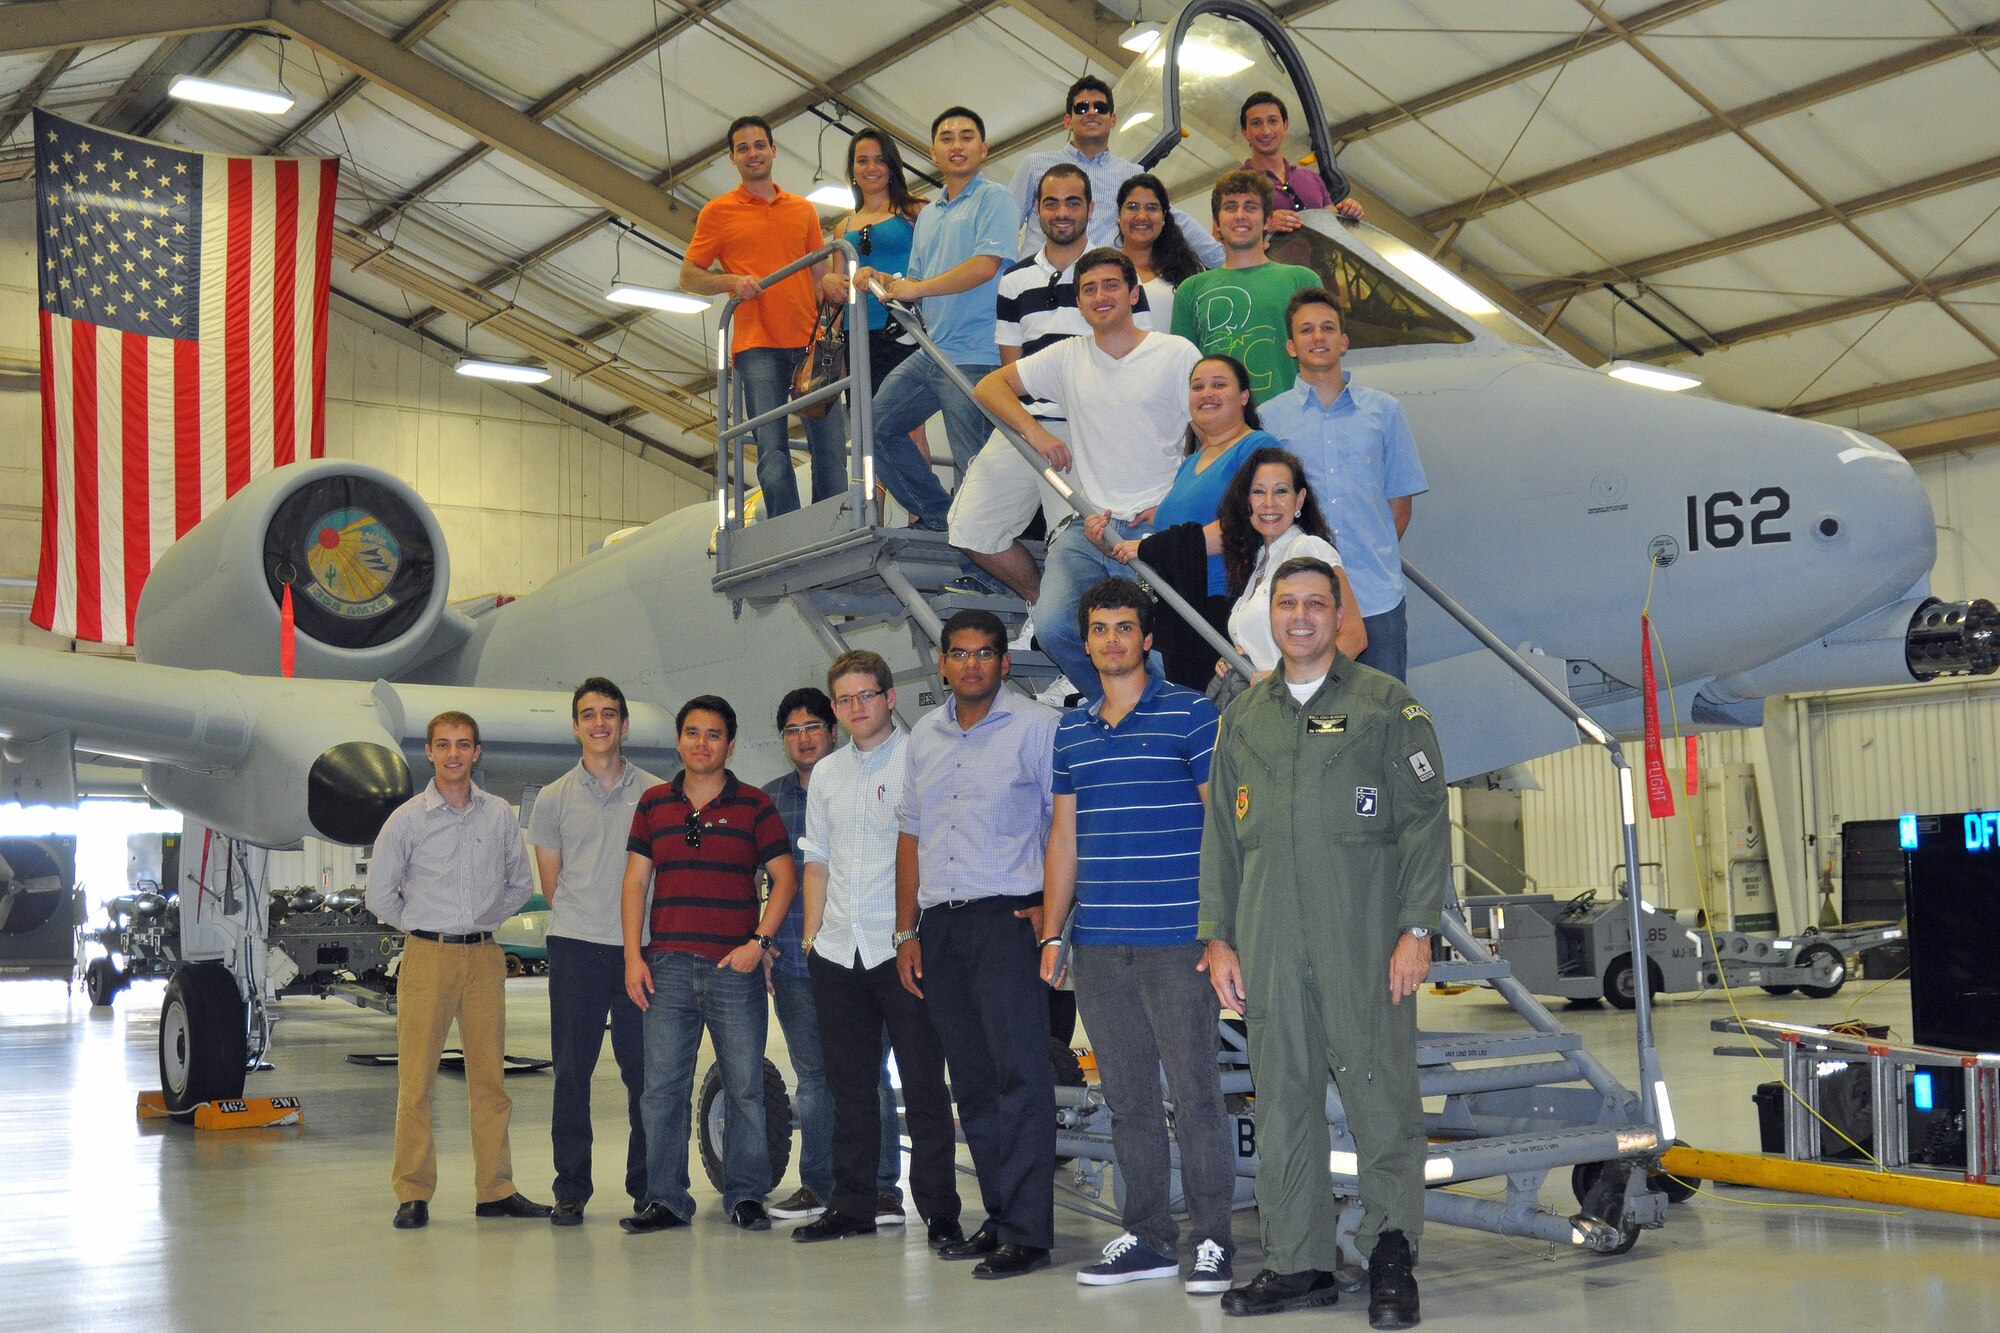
<point>1130,776</point>
<point>695,848</point>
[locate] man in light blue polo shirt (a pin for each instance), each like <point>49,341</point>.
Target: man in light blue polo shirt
<point>961,243</point>
<point>1089,117</point>
<point>1130,775</point>
<point>1361,462</point>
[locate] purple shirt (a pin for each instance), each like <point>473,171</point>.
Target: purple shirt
<point>1298,189</point>
<point>978,802</point>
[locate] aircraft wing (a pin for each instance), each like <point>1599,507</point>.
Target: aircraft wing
<point>268,759</point>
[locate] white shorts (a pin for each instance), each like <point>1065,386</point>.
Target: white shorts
<point>997,497</point>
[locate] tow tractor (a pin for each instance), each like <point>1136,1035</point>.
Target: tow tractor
<point>1580,949</point>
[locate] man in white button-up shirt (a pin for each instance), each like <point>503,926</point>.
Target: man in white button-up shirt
<point>850,921</point>
<point>449,866</point>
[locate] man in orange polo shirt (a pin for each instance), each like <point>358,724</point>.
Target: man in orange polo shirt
<point>757,229</point>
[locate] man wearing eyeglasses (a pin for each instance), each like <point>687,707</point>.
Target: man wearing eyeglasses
<point>850,920</point>
<point>1090,118</point>
<point>974,823</point>
<point>579,826</point>
<point>691,873</point>
<point>1265,121</point>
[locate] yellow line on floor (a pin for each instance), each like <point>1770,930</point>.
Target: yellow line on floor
<point>1839,1182</point>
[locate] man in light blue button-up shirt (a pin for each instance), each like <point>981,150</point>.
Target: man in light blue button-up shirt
<point>1361,461</point>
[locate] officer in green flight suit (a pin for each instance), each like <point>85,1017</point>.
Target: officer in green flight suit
<point>1324,857</point>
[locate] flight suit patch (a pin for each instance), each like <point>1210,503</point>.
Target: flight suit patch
<point>1326,724</point>
<point>1420,764</point>
<point>1414,711</point>
<point>1364,802</point>
<point>1242,802</point>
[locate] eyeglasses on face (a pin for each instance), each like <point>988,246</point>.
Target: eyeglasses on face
<point>976,654</point>
<point>1090,108</point>
<point>859,699</point>
<point>691,829</point>
<point>804,729</point>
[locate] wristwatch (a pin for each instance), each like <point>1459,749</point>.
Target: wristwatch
<point>901,937</point>
<point>1417,932</point>
<point>769,945</point>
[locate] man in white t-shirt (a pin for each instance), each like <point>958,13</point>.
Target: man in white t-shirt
<point>1125,392</point>
<point>579,826</point>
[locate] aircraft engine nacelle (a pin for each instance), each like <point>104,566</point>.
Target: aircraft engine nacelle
<point>363,555</point>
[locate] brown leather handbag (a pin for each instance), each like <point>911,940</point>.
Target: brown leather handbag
<point>826,357</point>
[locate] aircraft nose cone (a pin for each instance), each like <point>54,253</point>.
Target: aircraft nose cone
<point>353,788</point>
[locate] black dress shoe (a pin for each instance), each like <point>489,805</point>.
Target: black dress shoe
<point>514,1205</point>
<point>568,1213</point>
<point>750,1216</point>
<point>833,1225</point>
<point>945,1231</point>
<point>409,1216</point>
<point>976,1246</point>
<point>1392,1283</point>
<point>1011,1260</point>
<point>1272,1293</point>
<point>650,1217</point>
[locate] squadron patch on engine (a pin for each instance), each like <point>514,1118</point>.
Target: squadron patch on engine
<point>353,557</point>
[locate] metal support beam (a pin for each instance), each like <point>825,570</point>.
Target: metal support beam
<point>1090,29</point>
<point>1896,389</point>
<point>545,109</point>
<point>1946,435</point>
<point>1356,128</point>
<point>1933,288</point>
<point>24,102</point>
<point>419,29</point>
<point>1943,182</point>
<point>54,24</point>
<point>1501,193</point>
<point>484,117</point>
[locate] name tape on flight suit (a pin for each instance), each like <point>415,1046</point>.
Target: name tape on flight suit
<point>1326,724</point>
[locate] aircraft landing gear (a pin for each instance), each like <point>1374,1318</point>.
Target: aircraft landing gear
<point>204,1043</point>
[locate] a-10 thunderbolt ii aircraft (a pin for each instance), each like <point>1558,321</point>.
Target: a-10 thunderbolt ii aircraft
<point>1790,555</point>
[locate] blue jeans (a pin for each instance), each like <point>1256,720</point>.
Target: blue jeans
<point>908,398</point>
<point>689,994</point>
<point>767,383</point>
<point>587,985</point>
<point>1388,649</point>
<point>792,998</point>
<point>1070,569</point>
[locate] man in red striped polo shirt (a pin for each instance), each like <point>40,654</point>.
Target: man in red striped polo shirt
<point>694,951</point>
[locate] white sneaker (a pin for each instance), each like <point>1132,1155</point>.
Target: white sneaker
<point>1025,640</point>
<point>1058,693</point>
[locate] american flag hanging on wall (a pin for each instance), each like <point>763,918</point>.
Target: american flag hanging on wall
<point>183,342</point>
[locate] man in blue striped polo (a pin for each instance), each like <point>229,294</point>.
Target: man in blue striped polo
<point>1130,776</point>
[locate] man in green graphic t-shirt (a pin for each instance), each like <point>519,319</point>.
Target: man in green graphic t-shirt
<point>1239,309</point>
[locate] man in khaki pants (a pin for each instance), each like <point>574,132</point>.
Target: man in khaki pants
<point>450,865</point>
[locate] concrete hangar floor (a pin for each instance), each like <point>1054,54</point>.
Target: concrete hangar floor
<point>108,1222</point>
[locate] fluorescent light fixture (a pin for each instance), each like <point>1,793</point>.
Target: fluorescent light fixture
<point>1441,282</point>
<point>831,195</point>
<point>1134,122</point>
<point>1141,37</point>
<point>190,89</point>
<point>513,372</point>
<point>1653,377</point>
<point>657,298</point>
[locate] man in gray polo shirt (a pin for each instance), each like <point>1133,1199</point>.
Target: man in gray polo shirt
<point>579,826</point>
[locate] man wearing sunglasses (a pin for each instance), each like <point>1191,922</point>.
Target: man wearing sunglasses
<point>850,921</point>
<point>1089,117</point>
<point>691,873</point>
<point>974,823</point>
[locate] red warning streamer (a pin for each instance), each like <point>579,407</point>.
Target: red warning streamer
<point>1659,794</point>
<point>288,648</point>
<point>1692,780</point>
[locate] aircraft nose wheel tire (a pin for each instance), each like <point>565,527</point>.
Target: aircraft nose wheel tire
<point>102,981</point>
<point>1809,956</point>
<point>1618,981</point>
<point>711,1108</point>
<point>204,1048</point>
